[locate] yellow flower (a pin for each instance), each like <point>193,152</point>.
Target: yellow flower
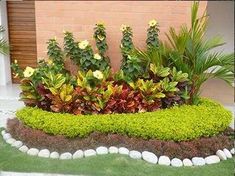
<point>49,61</point>
<point>100,23</point>
<point>83,44</point>
<point>55,38</point>
<point>15,61</point>
<point>28,72</point>
<point>100,37</point>
<point>123,27</point>
<point>152,23</point>
<point>97,56</point>
<point>98,74</point>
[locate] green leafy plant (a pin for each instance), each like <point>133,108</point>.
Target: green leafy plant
<point>206,119</point>
<point>133,68</point>
<point>126,43</point>
<point>100,38</point>
<point>55,53</point>
<point>152,34</point>
<point>53,82</point>
<point>4,47</point>
<point>71,48</point>
<point>192,54</point>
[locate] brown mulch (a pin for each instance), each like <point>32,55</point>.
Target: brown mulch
<point>186,149</point>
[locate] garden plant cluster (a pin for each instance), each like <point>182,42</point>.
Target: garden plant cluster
<point>164,75</point>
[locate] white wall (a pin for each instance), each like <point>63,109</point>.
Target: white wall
<point>5,72</point>
<point>221,22</point>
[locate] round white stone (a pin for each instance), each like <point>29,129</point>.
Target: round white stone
<point>198,161</point>
<point>187,162</point>
<point>123,151</point>
<point>3,132</point>
<point>10,141</point>
<point>33,151</point>
<point>232,151</point>
<point>221,155</point>
<point>24,149</point>
<point>17,144</point>
<point>78,154</point>
<point>227,153</point>
<point>149,157</point>
<point>135,154</point>
<point>102,150</point>
<point>54,155</point>
<point>113,149</point>
<point>212,159</point>
<point>6,136</point>
<point>45,153</point>
<point>65,156</point>
<point>164,160</point>
<point>175,162</point>
<point>89,152</point>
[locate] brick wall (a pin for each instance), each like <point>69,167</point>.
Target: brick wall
<point>80,17</point>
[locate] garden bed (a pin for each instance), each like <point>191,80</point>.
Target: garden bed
<point>34,138</point>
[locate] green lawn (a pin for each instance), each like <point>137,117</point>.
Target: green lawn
<point>108,165</point>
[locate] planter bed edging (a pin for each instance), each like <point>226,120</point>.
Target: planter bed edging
<point>145,155</point>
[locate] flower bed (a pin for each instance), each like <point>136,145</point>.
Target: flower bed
<point>154,96</point>
<point>178,123</point>
<point>34,138</point>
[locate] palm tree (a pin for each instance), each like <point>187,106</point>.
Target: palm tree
<point>192,53</point>
<point>4,48</point>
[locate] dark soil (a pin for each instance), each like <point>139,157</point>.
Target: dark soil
<point>186,149</point>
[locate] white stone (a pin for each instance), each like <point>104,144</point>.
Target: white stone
<point>212,159</point>
<point>198,161</point>
<point>54,155</point>
<point>113,149</point>
<point>187,162</point>
<point>149,157</point>
<point>45,153</point>
<point>17,144</point>
<point>221,155</point>
<point>33,151</point>
<point>3,132</point>
<point>164,160</point>
<point>123,151</point>
<point>6,136</point>
<point>10,141</point>
<point>78,154</point>
<point>227,153</point>
<point>89,152</point>
<point>102,150</point>
<point>176,162</point>
<point>65,156</point>
<point>24,149</point>
<point>135,154</point>
<point>232,151</point>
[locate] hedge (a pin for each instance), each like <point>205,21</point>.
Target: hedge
<point>185,122</point>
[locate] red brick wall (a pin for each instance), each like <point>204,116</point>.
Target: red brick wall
<point>79,17</point>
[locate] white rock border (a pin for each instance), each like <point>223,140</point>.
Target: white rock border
<point>102,150</point>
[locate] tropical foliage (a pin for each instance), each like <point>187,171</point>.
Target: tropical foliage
<point>4,48</point>
<point>161,76</point>
<point>193,54</point>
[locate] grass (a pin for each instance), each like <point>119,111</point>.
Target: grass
<point>108,165</point>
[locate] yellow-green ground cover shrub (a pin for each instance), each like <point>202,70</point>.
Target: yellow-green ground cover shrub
<point>179,123</point>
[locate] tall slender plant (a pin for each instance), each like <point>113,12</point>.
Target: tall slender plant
<point>4,47</point>
<point>192,53</point>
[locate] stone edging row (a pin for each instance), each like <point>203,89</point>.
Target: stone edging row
<point>145,155</point>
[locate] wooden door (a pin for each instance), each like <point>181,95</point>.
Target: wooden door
<point>22,33</point>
